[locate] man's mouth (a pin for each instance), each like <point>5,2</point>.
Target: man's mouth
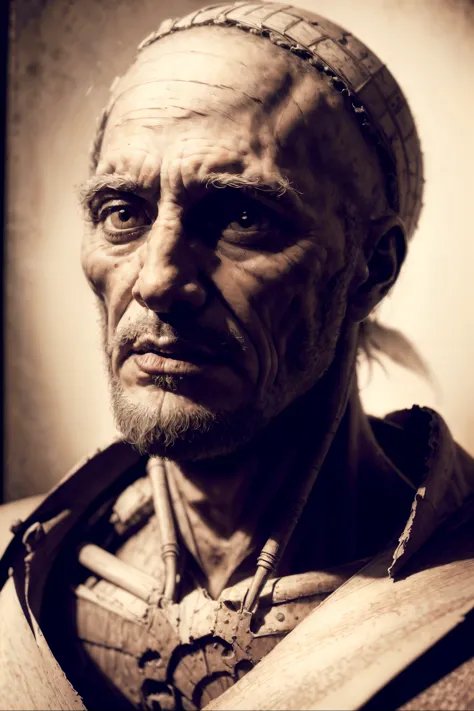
<point>170,357</point>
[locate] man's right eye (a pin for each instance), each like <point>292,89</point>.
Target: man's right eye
<point>121,221</point>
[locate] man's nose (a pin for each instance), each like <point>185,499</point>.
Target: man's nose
<point>169,276</point>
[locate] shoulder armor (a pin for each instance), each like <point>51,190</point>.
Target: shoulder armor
<point>12,515</point>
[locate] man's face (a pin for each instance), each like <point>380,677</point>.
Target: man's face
<point>218,245</point>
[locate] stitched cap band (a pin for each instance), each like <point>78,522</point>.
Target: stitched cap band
<point>370,92</point>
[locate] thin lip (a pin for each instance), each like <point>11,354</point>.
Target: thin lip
<point>166,366</point>
<point>172,349</point>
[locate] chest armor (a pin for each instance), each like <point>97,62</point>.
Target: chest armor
<point>148,652</point>
<point>182,655</point>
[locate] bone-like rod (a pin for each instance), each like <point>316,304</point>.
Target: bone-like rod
<point>169,545</point>
<point>276,544</point>
<point>266,565</point>
<point>125,576</point>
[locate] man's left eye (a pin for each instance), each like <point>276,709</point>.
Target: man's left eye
<point>247,218</point>
<point>240,220</point>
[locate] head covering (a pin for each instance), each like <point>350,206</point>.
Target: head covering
<point>370,92</point>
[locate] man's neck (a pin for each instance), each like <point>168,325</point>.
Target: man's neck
<point>229,502</point>
<point>224,489</point>
<point>227,491</point>
<point>229,505</point>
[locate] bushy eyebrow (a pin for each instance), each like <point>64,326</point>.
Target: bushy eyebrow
<point>100,183</point>
<point>277,188</point>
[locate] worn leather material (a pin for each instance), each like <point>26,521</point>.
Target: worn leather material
<point>367,633</point>
<point>446,479</point>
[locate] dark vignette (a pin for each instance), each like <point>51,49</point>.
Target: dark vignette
<point>5,8</point>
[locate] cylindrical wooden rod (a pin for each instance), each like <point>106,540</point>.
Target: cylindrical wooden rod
<point>125,576</point>
<point>169,545</point>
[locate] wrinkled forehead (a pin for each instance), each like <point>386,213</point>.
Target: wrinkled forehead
<point>220,66</point>
<point>233,92</point>
<point>214,73</point>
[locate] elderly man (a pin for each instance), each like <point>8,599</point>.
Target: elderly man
<point>255,179</point>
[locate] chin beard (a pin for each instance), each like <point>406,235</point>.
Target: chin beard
<point>182,436</point>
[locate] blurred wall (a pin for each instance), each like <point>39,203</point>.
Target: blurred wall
<point>64,56</point>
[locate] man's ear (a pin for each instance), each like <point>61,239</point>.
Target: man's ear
<point>380,261</point>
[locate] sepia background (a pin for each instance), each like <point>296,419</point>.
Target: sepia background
<point>64,57</point>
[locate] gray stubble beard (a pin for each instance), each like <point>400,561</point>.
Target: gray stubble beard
<point>182,436</point>
<point>186,436</point>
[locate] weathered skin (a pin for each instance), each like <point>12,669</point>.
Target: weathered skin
<point>170,151</point>
<point>315,260</point>
<point>239,229</point>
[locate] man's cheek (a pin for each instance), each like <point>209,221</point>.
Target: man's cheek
<point>291,309</point>
<point>297,323</point>
<point>109,272</point>
<point>292,293</point>
<point>93,266</point>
